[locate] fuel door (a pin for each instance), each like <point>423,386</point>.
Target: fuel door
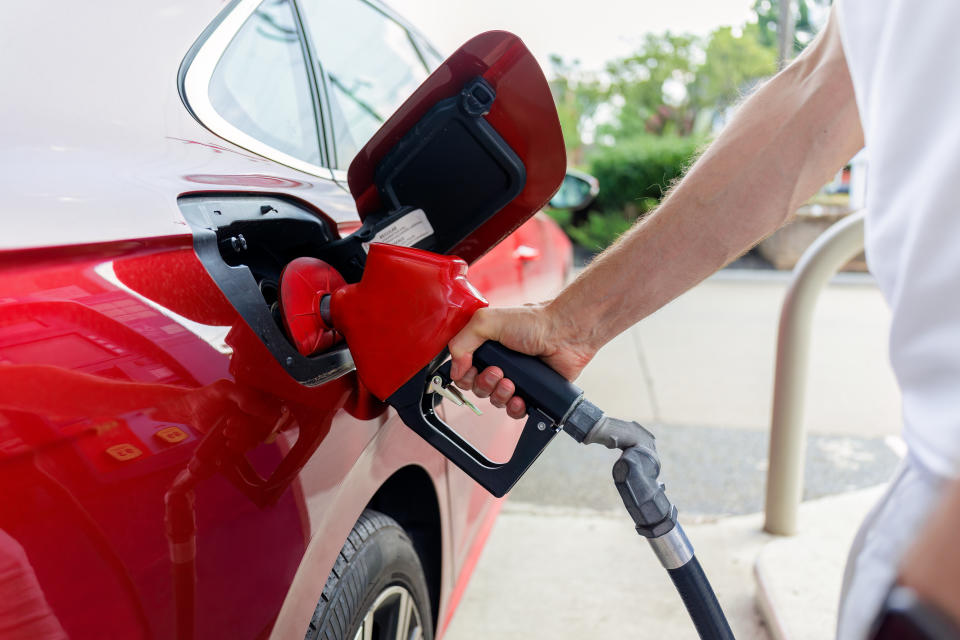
<point>473,153</point>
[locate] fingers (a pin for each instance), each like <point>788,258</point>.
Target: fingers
<point>491,384</point>
<point>502,393</point>
<point>500,390</point>
<point>486,324</point>
<point>466,380</point>
<point>486,382</point>
<point>516,408</point>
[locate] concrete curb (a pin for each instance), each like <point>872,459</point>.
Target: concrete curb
<point>798,578</point>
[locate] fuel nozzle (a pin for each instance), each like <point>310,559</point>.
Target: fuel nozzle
<point>305,288</point>
<point>407,305</point>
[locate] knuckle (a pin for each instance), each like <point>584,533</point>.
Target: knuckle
<point>484,322</point>
<point>456,347</point>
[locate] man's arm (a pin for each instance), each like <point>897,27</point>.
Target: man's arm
<point>784,143</point>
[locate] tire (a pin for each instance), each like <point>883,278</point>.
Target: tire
<point>377,585</point>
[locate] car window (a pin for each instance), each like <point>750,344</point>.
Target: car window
<point>260,84</point>
<point>370,64</point>
<point>430,55</point>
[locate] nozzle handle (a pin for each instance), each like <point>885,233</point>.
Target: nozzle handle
<point>416,406</point>
<point>539,385</point>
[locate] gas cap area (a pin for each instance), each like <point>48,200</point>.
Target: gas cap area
<point>402,313</point>
<point>303,285</point>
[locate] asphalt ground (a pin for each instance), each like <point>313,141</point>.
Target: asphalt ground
<point>709,472</point>
<point>699,375</point>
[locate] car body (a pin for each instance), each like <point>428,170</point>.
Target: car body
<point>157,461</point>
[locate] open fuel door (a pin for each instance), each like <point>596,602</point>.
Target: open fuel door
<point>473,153</point>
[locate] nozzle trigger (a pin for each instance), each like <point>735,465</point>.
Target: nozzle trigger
<point>437,385</point>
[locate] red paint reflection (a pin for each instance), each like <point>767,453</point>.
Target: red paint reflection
<point>154,453</point>
<point>24,611</point>
<point>251,180</point>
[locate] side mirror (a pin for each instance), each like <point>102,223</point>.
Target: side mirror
<point>577,191</point>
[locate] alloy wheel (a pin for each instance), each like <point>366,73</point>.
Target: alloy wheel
<point>392,616</point>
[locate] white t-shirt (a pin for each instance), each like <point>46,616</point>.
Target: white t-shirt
<point>904,59</point>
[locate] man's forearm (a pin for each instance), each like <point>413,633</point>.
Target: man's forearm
<point>785,142</point>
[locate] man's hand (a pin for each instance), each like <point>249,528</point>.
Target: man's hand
<point>535,330</point>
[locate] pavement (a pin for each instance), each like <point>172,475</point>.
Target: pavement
<point>563,560</point>
<point>798,578</point>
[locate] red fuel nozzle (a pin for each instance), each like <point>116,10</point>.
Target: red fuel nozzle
<point>304,284</point>
<point>400,316</point>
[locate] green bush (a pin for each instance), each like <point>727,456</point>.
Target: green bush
<point>633,177</point>
<point>600,230</point>
<point>636,173</point>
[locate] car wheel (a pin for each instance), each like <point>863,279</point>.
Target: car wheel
<point>377,589</point>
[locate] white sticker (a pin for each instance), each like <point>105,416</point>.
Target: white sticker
<point>405,232</point>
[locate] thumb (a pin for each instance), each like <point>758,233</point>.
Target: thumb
<point>466,342</point>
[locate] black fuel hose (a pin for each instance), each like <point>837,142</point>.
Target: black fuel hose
<point>700,601</point>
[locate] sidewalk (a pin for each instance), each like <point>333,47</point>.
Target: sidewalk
<point>559,574</point>
<point>584,574</point>
<point>563,560</point>
<point>707,359</point>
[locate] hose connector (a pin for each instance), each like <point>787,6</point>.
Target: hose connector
<point>635,475</point>
<point>582,419</point>
<point>637,471</point>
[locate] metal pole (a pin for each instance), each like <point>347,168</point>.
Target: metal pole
<point>785,29</point>
<point>833,249</point>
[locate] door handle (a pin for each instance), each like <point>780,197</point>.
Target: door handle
<point>526,253</point>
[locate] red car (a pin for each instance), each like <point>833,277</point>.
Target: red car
<point>170,465</point>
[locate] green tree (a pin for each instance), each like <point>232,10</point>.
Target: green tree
<point>805,27</point>
<point>662,88</point>
<point>649,87</point>
<point>672,79</point>
<point>732,62</point>
<point>577,96</point>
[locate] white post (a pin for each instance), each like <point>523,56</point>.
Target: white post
<point>831,251</point>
